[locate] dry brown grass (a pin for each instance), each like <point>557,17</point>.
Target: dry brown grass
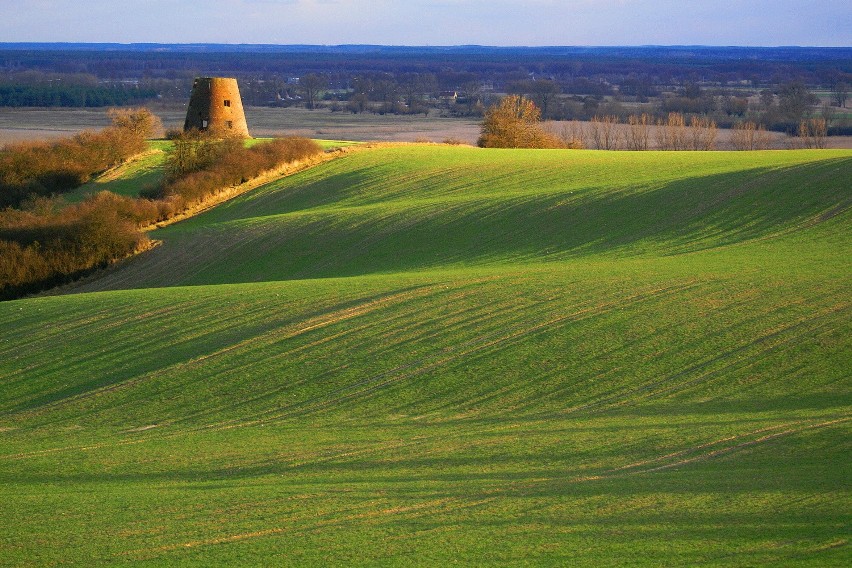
<point>44,124</point>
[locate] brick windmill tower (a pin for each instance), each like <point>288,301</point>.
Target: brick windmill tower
<point>215,104</point>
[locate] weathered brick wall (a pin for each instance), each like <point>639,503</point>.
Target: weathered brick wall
<point>215,103</point>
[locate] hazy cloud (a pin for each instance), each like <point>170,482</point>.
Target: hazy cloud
<point>432,22</point>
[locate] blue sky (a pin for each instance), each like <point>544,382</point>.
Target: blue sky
<point>432,22</point>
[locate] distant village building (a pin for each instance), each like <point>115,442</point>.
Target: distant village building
<point>215,104</point>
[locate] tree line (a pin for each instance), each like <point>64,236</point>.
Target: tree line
<point>516,122</point>
<point>636,68</point>
<point>72,95</point>
<point>722,84</point>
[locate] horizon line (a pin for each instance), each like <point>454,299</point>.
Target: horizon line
<point>427,46</point>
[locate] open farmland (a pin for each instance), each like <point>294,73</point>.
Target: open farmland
<point>18,124</point>
<point>421,355</point>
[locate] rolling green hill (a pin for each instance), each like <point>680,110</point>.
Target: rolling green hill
<point>426,355</point>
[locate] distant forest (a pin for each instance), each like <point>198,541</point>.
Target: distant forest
<point>775,86</point>
<point>57,94</point>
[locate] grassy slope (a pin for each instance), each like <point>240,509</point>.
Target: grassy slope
<point>423,354</point>
<point>127,179</point>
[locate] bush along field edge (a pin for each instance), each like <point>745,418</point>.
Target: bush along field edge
<point>44,244</point>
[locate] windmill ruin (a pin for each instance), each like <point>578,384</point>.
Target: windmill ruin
<point>215,104</point>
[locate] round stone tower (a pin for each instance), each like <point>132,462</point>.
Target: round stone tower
<point>215,104</point>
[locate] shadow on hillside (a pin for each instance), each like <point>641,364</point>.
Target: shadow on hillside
<point>686,215</point>
<point>480,460</point>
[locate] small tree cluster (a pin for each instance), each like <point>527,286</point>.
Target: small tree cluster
<point>608,133</point>
<point>515,122</point>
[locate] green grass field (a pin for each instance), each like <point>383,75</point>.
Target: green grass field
<point>430,355</point>
<point>128,179</point>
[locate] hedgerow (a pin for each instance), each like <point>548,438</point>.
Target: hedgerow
<point>43,244</point>
<point>48,168</point>
<point>201,164</point>
<point>45,247</point>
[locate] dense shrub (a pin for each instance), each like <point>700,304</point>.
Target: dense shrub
<point>44,169</point>
<point>515,123</point>
<point>201,164</point>
<point>44,248</point>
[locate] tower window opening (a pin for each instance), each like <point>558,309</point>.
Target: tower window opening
<point>203,124</point>
<point>229,124</point>
<point>227,103</point>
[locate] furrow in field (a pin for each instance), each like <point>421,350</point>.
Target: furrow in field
<point>751,353</point>
<point>721,364</point>
<point>741,355</point>
<point>275,335</point>
<point>475,346</point>
<point>709,450</point>
<point>370,338</point>
<point>303,525</point>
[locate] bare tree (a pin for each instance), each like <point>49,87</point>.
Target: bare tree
<point>471,92</point>
<point>795,101</point>
<point>749,136</point>
<point>594,132</point>
<point>840,94</point>
<point>638,133</point>
<point>415,86</point>
<point>385,91</point>
<point>311,85</point>
<point>140,121</point>
<point>543,92</point>
<point>812,133</point>
<point>703,133</point>
<point>358,103</point>
<point>767,99</point>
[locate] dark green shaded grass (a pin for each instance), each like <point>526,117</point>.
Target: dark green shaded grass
<point>634,359</point>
